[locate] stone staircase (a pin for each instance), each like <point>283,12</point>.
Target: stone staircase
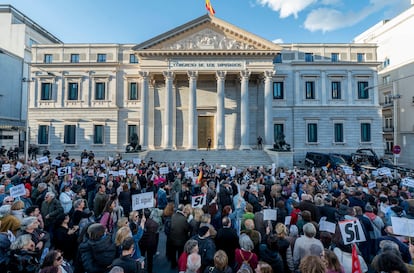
<point>238,158</point>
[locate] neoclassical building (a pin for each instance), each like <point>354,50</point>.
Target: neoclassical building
<point>205,79</point>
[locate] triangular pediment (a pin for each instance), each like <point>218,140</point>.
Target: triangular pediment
<point>207,33</point>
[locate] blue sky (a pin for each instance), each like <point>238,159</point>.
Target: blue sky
<point>135,21</point>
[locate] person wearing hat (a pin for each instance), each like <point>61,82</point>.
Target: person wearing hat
<point>129,264</point>
<point>206,247</point>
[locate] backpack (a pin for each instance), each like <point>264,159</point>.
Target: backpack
<point>167,226</point>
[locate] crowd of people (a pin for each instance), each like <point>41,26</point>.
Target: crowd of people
<point>82,219</point>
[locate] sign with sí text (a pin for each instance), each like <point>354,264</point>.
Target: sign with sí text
<point>198,201</point>
<point>351,231</point>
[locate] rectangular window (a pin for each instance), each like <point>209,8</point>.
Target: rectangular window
<point>312,132</point>
<point>133,59</point>
<point>43,134</point>
<point>46,91</point>
<point>70,134</point>
<point>365,132</point>
<point>363,90</point>
<point>360,57</point>
<point>48,58</point>
<point>308,57</point>
<point>339,132</point>
<point>74,58</point>
<point>132,129</point>
<point>278,58</point>
<point>73,91</point>
<point>98,134</point>
<point>278,131</point>
<point>336,90</point>
<point>278,90</point>
<point>335,57</point>
<point>133,91</point>
<point>310,90</point>
<point>101,58</point>
<point>100,91</point>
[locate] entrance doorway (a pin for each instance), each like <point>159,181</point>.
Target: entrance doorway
<point>205,131</point>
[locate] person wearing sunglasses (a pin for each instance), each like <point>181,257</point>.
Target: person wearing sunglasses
<point>55,258</point>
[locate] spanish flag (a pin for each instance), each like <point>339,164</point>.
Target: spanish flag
<point>209,8</point>
<point>200,176</point>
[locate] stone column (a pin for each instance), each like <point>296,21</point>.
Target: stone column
<point>168,110</point>
<point>244,110</point>
<point>324,90</point>
<point>220,120</point>
<point>143,125</point>
<point>192,110</point>
<point>268,115</point>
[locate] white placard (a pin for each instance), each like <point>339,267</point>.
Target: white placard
<point>351,231</point>
<point>198,201</point>
<point>327,226</point>
<point>5,168</point>
<point>384,171</point>
<point>122,173</point>
<point>43,160</point>
<point>408,181</point>
<point>163,170</point>
<point>136,161</point>
<point>233,173</point>
<point>115,173</point>
<point>269,214</point>
<point>282,175</point>
<point>17,191</point>
<point>372,185</point>
<point>223,166</point>
<point>403,226</point>
<point>287,220</point>
<point>375,173</point>
<point>64,171</point>
<point>55,162</point>
<point>131,171</point>
<point>218,171</point>
<point>189,174</point>
<point>143,200</point>
<point>110,158</point>
<point>85,160</point>
<point>19,165</point>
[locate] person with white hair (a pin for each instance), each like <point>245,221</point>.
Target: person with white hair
<point>30,225</point>
<point>193,263</point>
<point>23,257</point>
<point>51,209</point>
<point>306,245</point>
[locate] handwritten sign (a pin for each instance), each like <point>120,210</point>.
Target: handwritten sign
<point>43,160</point>
<point>403,226</point>
<point>17,191</point>
<point>5,168</point>
<point>351,231</point>
<point>372,184</point>
<point>198,201</point>
<point>164,170</point>
<point>269,214</point>
<point>143,200</point>
<point>55,162</point>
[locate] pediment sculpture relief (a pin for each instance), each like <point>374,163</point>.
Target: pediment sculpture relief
<point>210,40</point>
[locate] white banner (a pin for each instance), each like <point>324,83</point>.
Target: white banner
<point>372,185</point>
<point>189,175</point>
<point>43,160</point>
<point>287,220</point>
<point>122,173</point>
<point>17,191</point>
<point>198,201</point>
<point>408,181</point>
<point>5,168</point>
<point>132,171</point>
<point>384,171</point>
<point>143,200</point>
<point>163,170</point>
<point>351,231</point>
<point>269,214</point>
<point>327,226</point>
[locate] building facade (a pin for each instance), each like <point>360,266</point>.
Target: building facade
<point>17,34</point>
<point>206,79</point>
<point>395,81</point>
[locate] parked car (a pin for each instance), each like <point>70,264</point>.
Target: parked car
<point>314,159</point>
